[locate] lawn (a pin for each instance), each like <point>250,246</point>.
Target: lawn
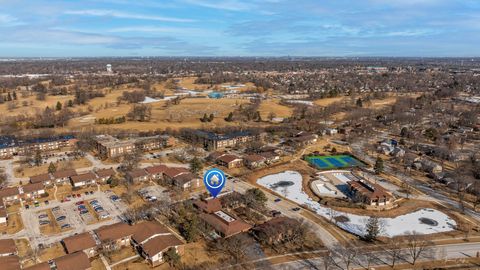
<point>334,162</point>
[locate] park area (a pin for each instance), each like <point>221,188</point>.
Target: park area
<point>334,162</point>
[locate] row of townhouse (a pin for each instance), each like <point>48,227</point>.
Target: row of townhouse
<point>12,195</point>
<point>10,146</point>
<point>150,239</point>
<point>108,146</point>
<point>9,259</point>
<point>72,177</point>
<point>176,176</point>
<point>252,161</point>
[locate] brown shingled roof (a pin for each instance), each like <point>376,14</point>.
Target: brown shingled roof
<point>209,206</point>
<point>79,242</point>
<point>10,263</point>
<point>370,190</point>
<point>74,261</point>
<point>228,158</point>
<point>89,176</point>
<point>138,173</point>
<point>226,228</point>
<point>160,243</point>
<point>32,187</point>
<point>7,246</point>
<point>156,169</point>
<point>40,178</point>
<point>172,172</point>
<point>64,173</point>
<point>114,232</point>
<point>145,230</point>
<point>105,172</point>
<point>7,192</point>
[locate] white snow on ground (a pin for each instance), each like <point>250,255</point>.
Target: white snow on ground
<point>149,100</point>
<point>393,226</point>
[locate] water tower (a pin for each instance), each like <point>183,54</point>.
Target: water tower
<point>109,68</point>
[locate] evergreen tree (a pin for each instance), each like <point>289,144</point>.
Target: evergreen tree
<point>59,106</point>
<point>9,97</point>
<point>52,168</point>
<point>373,229</point>
<point>196,165</point>
<point>229,118</point>
<point>359,102</point>
<point>210,119</point>
<point>70,103</point>
<point>378,166</point>
<point>14,95</point>
<point>38,158</point>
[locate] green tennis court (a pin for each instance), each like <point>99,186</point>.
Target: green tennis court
<point>334,162</point>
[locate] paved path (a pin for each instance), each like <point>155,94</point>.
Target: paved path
<point>381,258</point>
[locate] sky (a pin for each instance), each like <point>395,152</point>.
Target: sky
<point>349,28</point>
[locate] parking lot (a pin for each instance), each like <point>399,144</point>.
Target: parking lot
<point>67,214</point>
<point>154,193</point>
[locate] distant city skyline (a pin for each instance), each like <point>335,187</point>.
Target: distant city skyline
<point>344,28</point>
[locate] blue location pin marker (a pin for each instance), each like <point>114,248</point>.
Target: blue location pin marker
<point>214,181</point>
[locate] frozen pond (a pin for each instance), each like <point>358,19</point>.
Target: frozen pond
<point>356,224</point>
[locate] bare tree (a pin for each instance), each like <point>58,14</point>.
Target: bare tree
<point>394,251</point>
<point>417,245</point>
<point>345,256</point>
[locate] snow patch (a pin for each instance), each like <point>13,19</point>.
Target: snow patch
<point>400,225</point>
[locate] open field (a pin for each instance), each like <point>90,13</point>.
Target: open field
<point>26,171</point>
<point>14,224</point>
<point>273,106</point>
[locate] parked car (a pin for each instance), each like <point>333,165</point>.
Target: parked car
<point>47,202</point>
<point>276,213</point>
<point>82,212</point>
<point>86,192</point>
<point>43,216</point>
<point>93,201</point>
<point>44,222</point>
<point>80,202</point>
<point>61,218</point>
<point>78,195</point>
<point>277,200</point>
<point>65,226</point>
<point>27,206</point>
<point>296,209</point>
<point>56,208</point>
<point>91,192</point>
<point>97,209</point>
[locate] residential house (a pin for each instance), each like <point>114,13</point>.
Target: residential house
<point>32,191</point>
<point>208,205</point>
<point>84,179</point>
<point>80,242</point>
<point>3,216</point>
<point>254,161</point>
<point>103,175</point>
<point>63,176</point>
<point>137,175</point>
<point>186,180</point>
<point>7,248</point>
<point>156,172</point>
<point>10,195</point>
<point>44,178</point>
<point>229,161</point>
<point>73,261</point>
<point>224,224</point>
<point>270,157</point>
<point>152,240</point>
<point>118,234</point>
<point>10,263</point>
<point>171,172</point>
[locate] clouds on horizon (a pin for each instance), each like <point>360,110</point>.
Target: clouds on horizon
<point>240,27</point>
